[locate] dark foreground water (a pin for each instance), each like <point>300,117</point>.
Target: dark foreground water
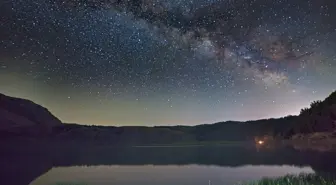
<point>163,174</point>
<point>54,164</point>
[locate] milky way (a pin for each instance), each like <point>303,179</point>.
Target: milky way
<point>168,62</point>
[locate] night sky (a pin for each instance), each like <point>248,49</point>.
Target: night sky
<point>168,62</point>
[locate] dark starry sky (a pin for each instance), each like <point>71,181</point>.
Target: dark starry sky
<point>168,62</point>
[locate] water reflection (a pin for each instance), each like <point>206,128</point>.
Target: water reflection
<point>162,174</point>
<point>51,163</point>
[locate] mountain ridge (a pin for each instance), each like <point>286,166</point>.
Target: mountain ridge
<point>22,116</point>
<point>321,116</point>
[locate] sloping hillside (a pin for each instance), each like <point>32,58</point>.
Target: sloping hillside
<point>19,116</point>
<point>320,117</point>
<point>24,117</point>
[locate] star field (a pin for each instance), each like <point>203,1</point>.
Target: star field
<point>159,62</point>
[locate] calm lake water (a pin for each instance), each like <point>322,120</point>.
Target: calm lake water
<point>93,165</point>
<point>163,174</point>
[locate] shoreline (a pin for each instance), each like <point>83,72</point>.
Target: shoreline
<point>195,144</point>
<point>322,145</point>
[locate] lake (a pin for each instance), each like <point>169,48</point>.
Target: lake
<point>163,174</point>
<point>93,165</point>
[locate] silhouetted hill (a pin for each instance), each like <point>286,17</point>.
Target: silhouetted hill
<point>218,132</point>
<point>23,117</point>
<point>320,117</point>
<point>18,115</point>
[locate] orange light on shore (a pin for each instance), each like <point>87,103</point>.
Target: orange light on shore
<point>261,142</point>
